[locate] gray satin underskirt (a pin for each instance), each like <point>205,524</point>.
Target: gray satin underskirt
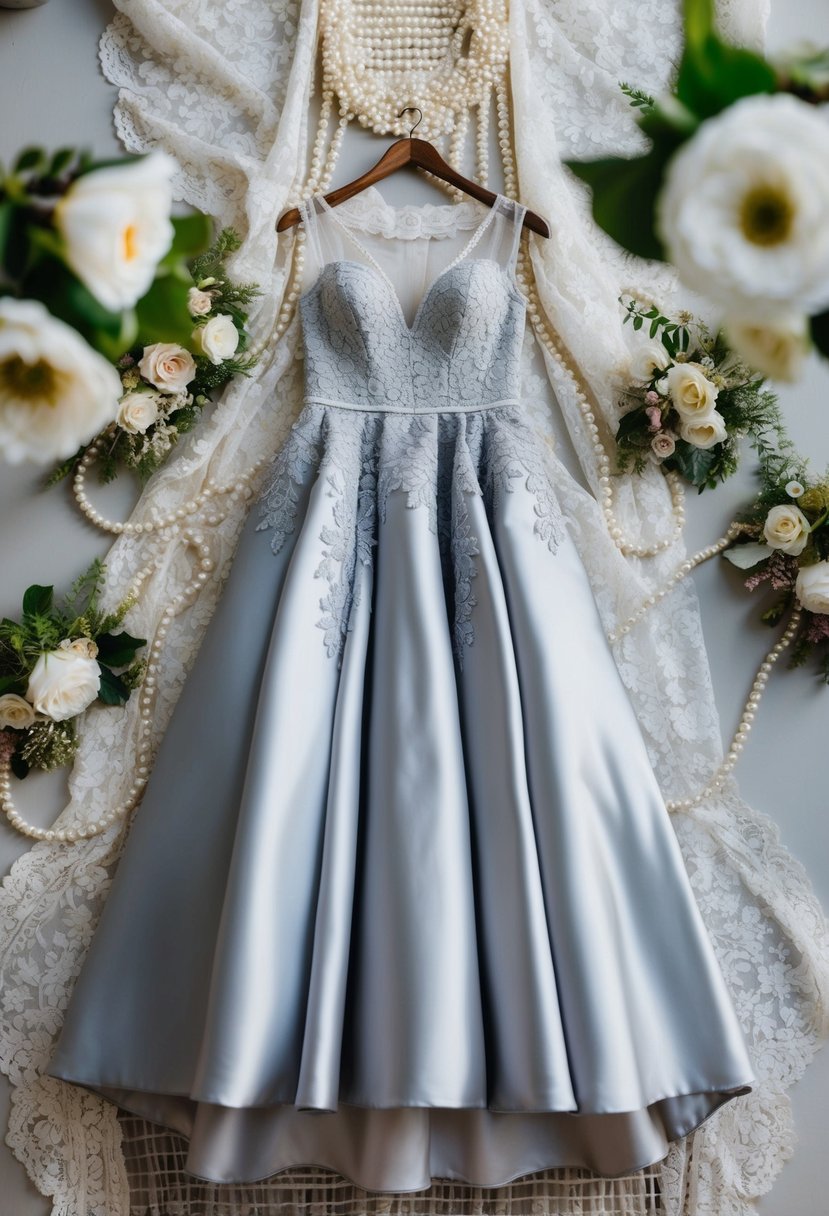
<point>400,887</point>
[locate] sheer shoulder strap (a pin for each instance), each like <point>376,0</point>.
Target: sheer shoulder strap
<point>503,235</point>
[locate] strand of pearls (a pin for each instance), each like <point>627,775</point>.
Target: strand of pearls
<point>550,341</point>
<point>746,719</point>
<point>146,695</point>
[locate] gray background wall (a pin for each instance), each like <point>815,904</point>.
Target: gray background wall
<point>51,92</point>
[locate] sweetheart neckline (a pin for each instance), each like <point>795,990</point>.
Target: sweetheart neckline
<point>382,277</point>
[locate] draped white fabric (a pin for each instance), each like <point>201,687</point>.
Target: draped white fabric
<point>226,90</point>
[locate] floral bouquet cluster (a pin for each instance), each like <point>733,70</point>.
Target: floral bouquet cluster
<point>54,663</point>
<point>692,401</point>
<point>165,385</point>
<point>789,553</point>
<point>734,191</point>
<point>94,268</point>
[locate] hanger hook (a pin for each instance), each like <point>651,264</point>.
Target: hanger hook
<point>412,109</point>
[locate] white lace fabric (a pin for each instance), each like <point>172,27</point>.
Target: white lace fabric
<point>225,88</point>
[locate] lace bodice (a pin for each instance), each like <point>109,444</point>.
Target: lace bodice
<point>463,346</point>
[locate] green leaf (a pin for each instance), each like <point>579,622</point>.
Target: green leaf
<point>698,21</point>
<point>29,159</point>
<point>10,684</point>
<point>65,296</point>
<point>37,600</point>
<point>624,197</point>
<point>113,690</point>
<point>192,237</point>
<point>7,210</point>
<point>694,463</point>
<point>14,239</point>
<point>712,73</point>
<point>630,424</point>
<point>18,766</point>
<point>118,649</point>
<point>820,332</point>
<point>61,160</point>
<point>163,315</point>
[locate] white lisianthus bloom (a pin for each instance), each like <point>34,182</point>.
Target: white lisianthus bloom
<point>218,339</point>
<point>812,587</point>
<point>116,227</point>
<point>199,302</point>
<point>663,445</point>
<point>775,347</point>
<point>691,392</point>
<point>744,211</point>
<point>137,412</point>
<point>647,359</point>
<point>167,366</point>
<point>787,529</point>
<point>56,392</point>
<point>15,712</point>
<point>704,432</point>
<point>63,684</point>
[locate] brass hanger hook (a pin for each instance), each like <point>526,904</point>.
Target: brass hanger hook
<point>412,109</point>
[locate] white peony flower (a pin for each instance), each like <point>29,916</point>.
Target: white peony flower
<point>704,432</point>
<point>218,339</point>
<point>63,683</point>
<point>794,489</point>
<point>787,528</point>
<point>199,302</point>
<point>647,359</point>
<point>167,366</point>
<point>775,347</point>
<point>137,412</point>
<point>116,228</point>
<point>663,445</point>
<point>692,393</point>
<point>812,587</point>
<point>56,392</point>
<point>744,211</point>
<point>15,712</point>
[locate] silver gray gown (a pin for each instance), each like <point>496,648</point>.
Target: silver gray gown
<point>402,898</point>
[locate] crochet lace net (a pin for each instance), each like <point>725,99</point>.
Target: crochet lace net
<point>226,88</point>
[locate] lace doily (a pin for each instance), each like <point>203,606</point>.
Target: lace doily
<point>226,90</point>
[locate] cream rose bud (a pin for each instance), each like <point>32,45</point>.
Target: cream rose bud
<point>116,227</point>
<point>85,646</point>
<point>63,684</point>
<point>663,445</point>
<point>15,712</point>
<point>199,302</point>
<point>167,366</point>
<point>812,587</point>
<point>137,412</point>
<point>704,432</point>
<point>692,393</point>
<point>648,359</point>
<point>786,528</point>
<point>56,392</point>
<point>775,348</point>
<point>217,339</point>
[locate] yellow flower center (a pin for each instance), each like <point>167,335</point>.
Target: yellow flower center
<point>38,382</point>
<point>130,236</point>
<point>767,215</point>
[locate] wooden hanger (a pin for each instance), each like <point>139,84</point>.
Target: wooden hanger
<point>423,155</point>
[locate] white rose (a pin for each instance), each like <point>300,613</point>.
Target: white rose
<point>218,339</point>
<point>85,646</point>
<point>137,412</point>
<point>167,366</point>
<point>704,432</point>
<point>116,228</point>
<point>812,587</point>
<point>15,712</point>
<point>787,528</point>
<point>663,445</point>
<point>775,348</point>
<point>794,489</point>
<point>692,393</point>
<point>199,302</point>
<point>63,684</point>
<point>647,359</point>
<point>56,392</point>
<point>744,211</point>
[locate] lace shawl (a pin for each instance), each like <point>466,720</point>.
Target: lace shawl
<point>226,89</point>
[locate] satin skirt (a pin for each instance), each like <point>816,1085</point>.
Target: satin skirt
<point>392,913</point>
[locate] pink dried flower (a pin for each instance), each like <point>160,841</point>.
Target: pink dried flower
<point>8,745</point>
<point>126,360</point>
<point>817,627</point>
<point>651,398</point>
<point>781,570</point>
<point>654,415</point>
